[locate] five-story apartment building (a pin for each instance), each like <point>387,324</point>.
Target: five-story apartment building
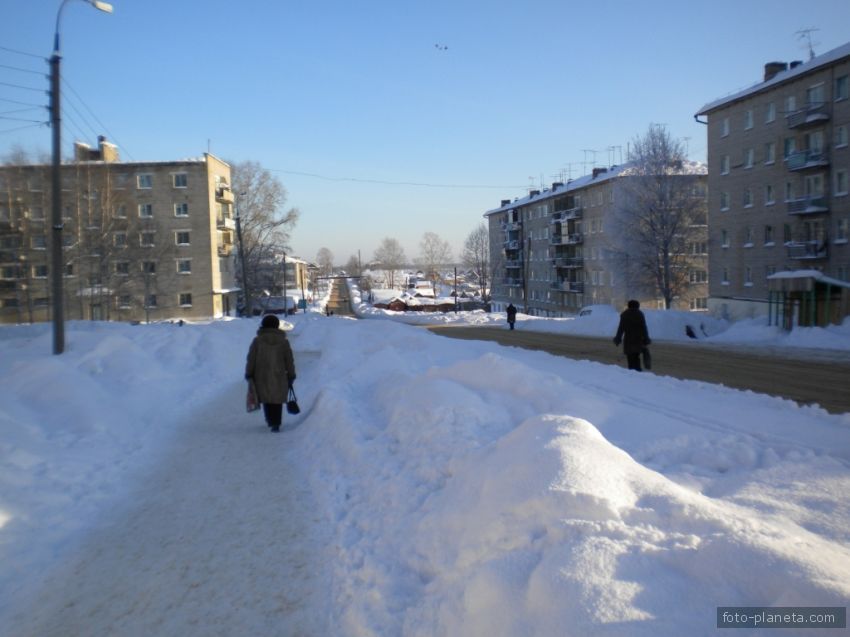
<point>142,240</point>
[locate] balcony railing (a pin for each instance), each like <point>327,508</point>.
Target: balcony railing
<point>811,114</point>
<point>512,282</point>
<point>568,286</point>
<point>226,223</point>
<point>513,263</point>
<point>512,244</point>
<point>808,205</point>
<point>568,262</point>
<point>566,239</point>
<point>808,250</point>
<point>565,215</point>
<point>224,195</point>
<point>507,226</point>
<point>807,159</point>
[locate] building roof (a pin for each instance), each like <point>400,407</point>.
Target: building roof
<point>690,168</point>
<point>781,77</point>
<point>816,275</point>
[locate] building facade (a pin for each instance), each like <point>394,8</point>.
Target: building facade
<point>557,250</point>
<point>142,240</point>
<point>779,183</point>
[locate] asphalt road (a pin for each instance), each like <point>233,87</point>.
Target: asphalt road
<point>339,303</point>
<point>822,379</point>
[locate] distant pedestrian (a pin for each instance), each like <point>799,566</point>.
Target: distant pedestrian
<point>511,310</point>
<point>272,368</point>
<point>633,334</point>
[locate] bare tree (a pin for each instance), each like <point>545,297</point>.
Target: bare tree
<point>391,256</point>
<point>660,210</point>
<point>266,226</point>
<point>433,253</point>
<point>325,261</point>
<point>476,255</point>
<point>352,267</point>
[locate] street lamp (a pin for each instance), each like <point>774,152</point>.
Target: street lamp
<point>56,261</point>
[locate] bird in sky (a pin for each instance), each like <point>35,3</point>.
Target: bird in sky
<point>441,47</point>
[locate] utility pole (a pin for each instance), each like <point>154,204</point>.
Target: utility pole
<point>285,297</point>
<point>245,292</point>
<point>56,265</point>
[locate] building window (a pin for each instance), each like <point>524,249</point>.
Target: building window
<point>698,276</point>
<point>39,271</point>
<point>814,185</point>
<point>122,268</point>
<point>815,95</point>
<point>182,237</point>
<point>747,199</point>
<point>37,213</point>
<point>724,201</point>
<point>123,302</point>
<point>38,242</point>
<point>150,301</point>
<point>770,113</point>
<point>768,236</point>
<point>697,248</point>
<point>790,191</point>
<point>841,136</point>
<point>842,90</point>
<point>748,237</point>
<point>146,210</point>
<point>146,239</point>
<point>790,105</point>
<point>769,197</point>
<point>148,267</point>
<point>144,181</point>
<point>841,229</point>
<point>184,266</point>
<point>724,127</point>
<point>181,180</point>
<point>841,182</point>
<point>724,165</point>
<point>748,119</point>
<point>120,211</point>
<point>748,276</point>
<point>724,239</point>
<point>700,303</point>
<point>119,239</point>
<point>69,269</point>
<point>770,153</point>
<point>789,147</point>
<point>185,299</point>
<point>749,158</point>
<point>181,210</point>
<point>725,280</point>
<point>10,272</point>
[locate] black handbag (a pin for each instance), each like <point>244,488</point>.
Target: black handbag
<point>292,402</point>
<point>647,358</point>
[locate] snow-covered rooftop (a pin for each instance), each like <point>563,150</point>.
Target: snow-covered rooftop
<point>783,76</point>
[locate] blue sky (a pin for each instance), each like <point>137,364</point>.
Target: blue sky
<point>350,103</point>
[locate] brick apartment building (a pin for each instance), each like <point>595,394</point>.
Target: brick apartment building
<point>142,240</point>
<point>779,194</point>
<point>553,251</point>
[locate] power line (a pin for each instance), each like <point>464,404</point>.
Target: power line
<point>25,88</point>
<point>21,70</point>
<point>4,99</point>
<point>21,119</point>
<point>97,119</point>
<point>12,130</point>
<point>386,182</point>
<point>32,55</point>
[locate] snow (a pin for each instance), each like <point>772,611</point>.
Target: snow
<point>429,486</point>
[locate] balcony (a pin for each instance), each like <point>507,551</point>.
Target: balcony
<point>568,286</point>
<point>512,282</point>
<point>809,250</point>
<point>512,244</point>
<point>565,239</point>
<point>509,226</point>
<point>563,216</point>
<point>224,194</point>
<point>568,262</point>
<point>807,159</point>
<point>225,223</point>
<point>225,249</point>
<point>513,263</point>
<point>812,114</point>
<point>808,205</point>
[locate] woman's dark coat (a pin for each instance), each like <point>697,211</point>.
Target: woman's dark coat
<point>632,331</point>
<point>271,365</point>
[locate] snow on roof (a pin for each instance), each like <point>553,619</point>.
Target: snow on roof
<point>625,170</point>
<point>783,76</point>
<point>817,275</point>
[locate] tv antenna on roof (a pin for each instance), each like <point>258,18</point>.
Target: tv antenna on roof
<point>806,34</point>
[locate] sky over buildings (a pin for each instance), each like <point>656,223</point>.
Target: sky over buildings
<point>394,118</point>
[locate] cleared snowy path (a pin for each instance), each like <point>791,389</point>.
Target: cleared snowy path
<point>220,539</point>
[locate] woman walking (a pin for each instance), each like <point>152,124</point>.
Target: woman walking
<point>272,368</point>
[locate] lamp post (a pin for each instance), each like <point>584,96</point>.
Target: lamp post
<point>245,294</point>
<point>56,261</point>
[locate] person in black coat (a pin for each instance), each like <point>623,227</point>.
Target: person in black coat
<point>511,311</point>
<point>634,335</point>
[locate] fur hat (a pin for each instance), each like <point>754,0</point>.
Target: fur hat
<point>270,321</point>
